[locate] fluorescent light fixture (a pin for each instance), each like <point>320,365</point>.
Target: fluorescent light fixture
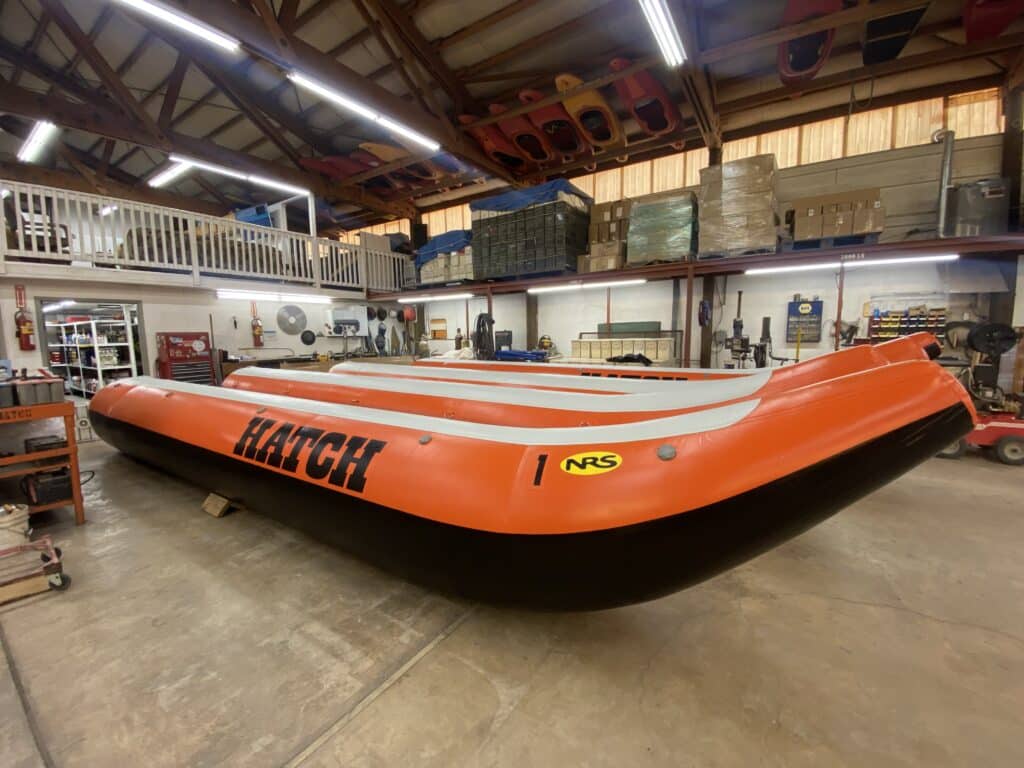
<point>793,268</point>
<point>659,18</point>
<point>252,178</point>
<point>40,136</point>
<point>184,23</point>
<point>307,298</point>
<point>853,264</point>
<point>362,110</point>
<point>900,260</point>
<point>47,308</point>
<point>106,210</point>
<point>263,181</point>
<point>169,174</point>
<point>578,286</point>
<point>440,297</point>
<point>219,169</point>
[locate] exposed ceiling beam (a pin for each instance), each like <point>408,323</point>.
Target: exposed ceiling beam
<point>247,27</point>
<point>288,13</point>
<point>478,26</point>
<point>101,22</point>
<point>108,152</point>
<point>96,120</point>
<point>609,11</point>
<point>174,83</point>
<point>403,64</point>
<point>253,113</point>
<point>33,45</point>
<point>47,177</point>
<point>310,15</point>
<point>857,14</point>
<point>405,26</point>
<point>66,82</point>
<point>894,67</point>
<point>110,79</point>
<point>696,80</point>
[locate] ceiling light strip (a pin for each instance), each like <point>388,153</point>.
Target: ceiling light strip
<point>358,108</point>
<point>184,23</point>
<point>41,134</point>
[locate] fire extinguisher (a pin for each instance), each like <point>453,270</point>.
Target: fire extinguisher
<point>257,332</point>
<point>24,330</point>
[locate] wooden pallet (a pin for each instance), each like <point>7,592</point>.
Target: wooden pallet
<point>707,256</point>
<point>845,241</point>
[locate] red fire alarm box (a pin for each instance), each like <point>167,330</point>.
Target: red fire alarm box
<point>185,356</point>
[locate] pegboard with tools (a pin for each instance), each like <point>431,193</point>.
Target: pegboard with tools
<point>803,320</point>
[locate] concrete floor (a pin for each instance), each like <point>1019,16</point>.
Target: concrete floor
<point>891,635</point>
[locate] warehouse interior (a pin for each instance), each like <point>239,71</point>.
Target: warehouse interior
<point>416,382</point>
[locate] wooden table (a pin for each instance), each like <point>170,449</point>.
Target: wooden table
<point>41,461</point>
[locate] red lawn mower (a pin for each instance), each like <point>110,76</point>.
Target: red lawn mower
<point>1000,426</point>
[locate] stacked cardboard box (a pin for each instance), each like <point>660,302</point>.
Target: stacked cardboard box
<point>448,267</point>
<point>609,224</point>
<point>656,350</point>
<point>662,227</point>
<point>541,238</point>
<point>858,212</point>
<point>738,209</point>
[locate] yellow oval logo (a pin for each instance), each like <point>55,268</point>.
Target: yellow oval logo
<point>591,463</point>
<point>805,308</point>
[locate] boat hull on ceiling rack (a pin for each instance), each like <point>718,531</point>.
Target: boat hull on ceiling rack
<point>650,104</point>
<point>801,58</point>
<point>593,116</point>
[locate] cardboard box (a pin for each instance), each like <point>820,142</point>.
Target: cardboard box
<point>606,348</point>
<point>868,220</point>
<point>651,349</point>
<point>616,347</point>
<point>576,351</point>
<point>618,229</point>
<point>807,227</point>
<point>602,257</point>
<point>594,232</point>
<point>602,213</point>
<point>664,350</point>
<point>622,209</point>
<point>837,224</point>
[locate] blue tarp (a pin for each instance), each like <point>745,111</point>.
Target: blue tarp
<point>455,240</point>
<point>523,198</point>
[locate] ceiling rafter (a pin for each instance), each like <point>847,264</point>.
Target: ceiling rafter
<point>404,26</point>
<point>33,45</point>
<point>287,14</point>
<point>100,121</point>
<point>857,14</point>
<point>480,25</point>
<point>110,79</point>
<point>246,27</point>
<point>174,83</point>
<point>896,66</point>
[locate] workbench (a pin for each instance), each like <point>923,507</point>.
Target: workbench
<point>22,464</point>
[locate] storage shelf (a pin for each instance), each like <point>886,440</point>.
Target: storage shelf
<point>965,246</point>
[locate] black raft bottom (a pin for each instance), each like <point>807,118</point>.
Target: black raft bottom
<point>579,571</point>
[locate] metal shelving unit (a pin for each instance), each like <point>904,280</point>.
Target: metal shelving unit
<point>86,335</point>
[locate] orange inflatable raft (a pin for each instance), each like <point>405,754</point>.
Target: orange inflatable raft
<point>552,517</point>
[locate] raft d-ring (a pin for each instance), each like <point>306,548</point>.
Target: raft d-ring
<point>425,439</point>
<point>260,410</point>
<point>666,452</point>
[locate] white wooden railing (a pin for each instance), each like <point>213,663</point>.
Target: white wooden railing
<point>58,226</point>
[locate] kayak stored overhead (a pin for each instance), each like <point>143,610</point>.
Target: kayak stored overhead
<point>801,58</point>
<point>495,144</point>
<point>555,123</point>
<point>530,141</point>
<point>593,116</point>
<point>552,517</point>
<point>651,105</point>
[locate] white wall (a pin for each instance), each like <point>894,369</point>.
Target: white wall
<point>509,315</point>
<point>171,309</point>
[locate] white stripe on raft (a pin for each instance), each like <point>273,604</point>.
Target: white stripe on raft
<point>595,383</point>
<point>683,395</point>
<point>652,429</point>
